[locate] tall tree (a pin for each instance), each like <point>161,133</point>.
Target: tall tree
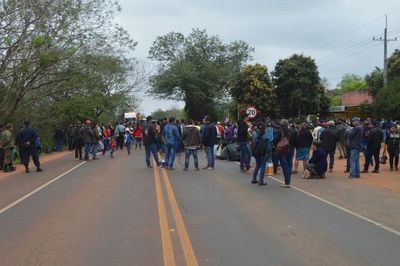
<point>298,86</point>
<point>196,69</point>
<point>352,82</point>
<point>252,86</point>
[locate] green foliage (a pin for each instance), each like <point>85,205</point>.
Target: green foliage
<point>172,112</point>
<point>352,82</point>
<point>374,80</point>
<point>252,86</point>
<point>387,101</point>
<point>298,86</point>
<point>335,97</point>
<point>394,65</point>
<point>196,69</point>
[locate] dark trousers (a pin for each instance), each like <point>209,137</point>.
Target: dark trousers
<point>70,143</point>
<point>1,158</point>
<point>331,155</point>
<point>370,154</point>
<point>28,152</point>
<point>393,157</point>
<point>151,149</point>
<point>78,151</point>
<point>348,159</point>
<point>120,142</point>
<point>285,164</point>
<point>193,152</point>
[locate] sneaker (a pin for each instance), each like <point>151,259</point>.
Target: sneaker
<point>347,171</point>
<point>285,186</point>
<point>205,167</point>
<point>263,183</point>
<point>254,181</point>
<point>375,172</point>
<point>210,168</point>
<point>365,172</point>
<point>39,169</point>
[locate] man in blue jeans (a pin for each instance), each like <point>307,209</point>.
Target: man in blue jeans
<point>150,141</point>
<point>355,138</point>
<point>171,136</point>
<point>209,140</point>
<point>243,139</point>
<point>191,139</point>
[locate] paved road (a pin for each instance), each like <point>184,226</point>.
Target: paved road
<point>117,212</point>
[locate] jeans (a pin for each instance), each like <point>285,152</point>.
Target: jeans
<point>261,164</point>
<point>106,143</point>
<point>245,155</point>
<point>78,151</point>
<point>152,148</point>
<point>170,155</point>
<point>59,145</point>
<point>193,152</point>
<point>331,156</point>
<point>94,151</point>
<point>355,163</point>
<point>88,148</point>
<point>210,156</point>
<point>28,152</point>
<point>128,147</point>
<point>285,164</point>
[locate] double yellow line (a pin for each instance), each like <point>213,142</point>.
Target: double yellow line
<point>168,251</point>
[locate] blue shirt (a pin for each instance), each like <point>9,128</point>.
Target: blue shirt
<point>171,134</point>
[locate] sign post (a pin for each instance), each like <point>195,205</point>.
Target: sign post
<point>251,112</point>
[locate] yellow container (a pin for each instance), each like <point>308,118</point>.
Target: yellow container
<point>270,169</point>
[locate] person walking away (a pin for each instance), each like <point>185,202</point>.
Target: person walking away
<point>150,141</point>
<point>262,152</point>
<point>393,147</point>
<point>329,137</point>
<point>375,140</point>
<point>119,133</point>
<point>171,136</point>
<point>191,140</point>
<point>209,140</point>
<point>128,140</point>
<point>106,137</point>
<point>347,147</point>
<point>27,138</point>
<point>243,139</point>
<point>294,133</point>
<point>282,149</point>
<point>88,136</point>
<point>59,139</point>
<point>70,138</point>
<point>78,141</point>
<point>342,127</point>
<point>1,151</point>
<point>138,135</point>
<point>7,145</point>
<point>304,142</point>
<point>317,165</point>
<point>355,136</point>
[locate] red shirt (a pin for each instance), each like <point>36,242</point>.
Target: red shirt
<point>138,132</point>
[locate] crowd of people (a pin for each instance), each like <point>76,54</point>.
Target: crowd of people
<point>282,144</point>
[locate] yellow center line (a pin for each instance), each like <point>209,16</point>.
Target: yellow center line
<point>168,252</point>
<point>190,257</point>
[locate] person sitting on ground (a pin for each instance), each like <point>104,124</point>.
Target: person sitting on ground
<point>317,165</point>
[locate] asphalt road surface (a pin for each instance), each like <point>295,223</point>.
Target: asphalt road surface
<point>118,212</point>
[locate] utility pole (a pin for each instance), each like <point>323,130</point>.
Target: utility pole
<point>385,60</point>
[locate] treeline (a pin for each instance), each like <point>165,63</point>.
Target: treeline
<point>64,61</point>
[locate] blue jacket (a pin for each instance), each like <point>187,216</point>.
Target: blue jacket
<point>171,134</point>
<point>355,136</point>
<point>26,135</point>
<point>268,138</point>
<point>210,135</point>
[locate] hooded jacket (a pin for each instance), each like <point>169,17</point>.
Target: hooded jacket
<point>191,137</point>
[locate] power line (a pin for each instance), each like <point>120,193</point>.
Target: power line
<point>349,55</point>
<point>345,50</point>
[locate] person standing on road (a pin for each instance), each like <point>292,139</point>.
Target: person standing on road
<point>27,138</point>
<point>282,150</point>
<point>209,140</point>
<point>355,137</point>
<point>262,152</point>
<point>171,136</point>
<point>191,140</point>
<point>88,137</point>
<point>342,127</point>
<point>375,140</point>
<point>106,137</point>
<point>329,137</point>
<point>59,139</point>
<point>243,139</point>
<point>366,128</point>
<point>150,141</point>
<point>7,145</point>
<point>78,141</point>
<point>393,147</point>
<point>304,141</point>
<point>70,137</point>
<point>128,140</point>
<point>119,133</point>
<point>138,135</point>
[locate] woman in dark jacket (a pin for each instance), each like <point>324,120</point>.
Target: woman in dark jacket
<point>283,151</point>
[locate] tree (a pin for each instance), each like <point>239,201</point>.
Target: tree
<point>172,112</point>
<point>252,86</point>
<point>352,82</point>
<point>394,65</point>
<point>374,80</point>
<point>387,101</point>
<point>298,86</point>
<point>196,69</point>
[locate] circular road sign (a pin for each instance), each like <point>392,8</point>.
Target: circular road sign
<point>251,112</point>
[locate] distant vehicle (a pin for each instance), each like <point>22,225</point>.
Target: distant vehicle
<point>131,117</point>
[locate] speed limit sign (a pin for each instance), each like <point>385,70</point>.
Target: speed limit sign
<point>251,112</point>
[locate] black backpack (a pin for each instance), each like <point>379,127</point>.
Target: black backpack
<point>260,148</point>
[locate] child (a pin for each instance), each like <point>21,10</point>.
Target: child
<point>128,139</point>
<point>113,147</point>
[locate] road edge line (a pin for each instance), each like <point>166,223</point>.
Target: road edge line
<point>13,204</point>
<point>187,247</point>
<point>168,251</point>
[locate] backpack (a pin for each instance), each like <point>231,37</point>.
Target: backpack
<point>261,148</point>
<point>282,147</point>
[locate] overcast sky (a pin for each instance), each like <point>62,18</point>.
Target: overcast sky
<point>337,33</point>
